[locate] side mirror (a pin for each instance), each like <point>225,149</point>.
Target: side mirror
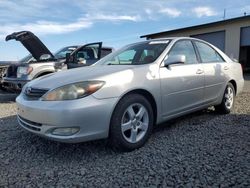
<point>68,58</point>
<point>175,59</point>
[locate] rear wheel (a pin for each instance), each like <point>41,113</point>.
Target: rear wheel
<point>131,123</point>
<point>227,103</point>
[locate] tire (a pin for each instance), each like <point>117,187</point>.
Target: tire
<point>227,103</point>
<point>131,123</point>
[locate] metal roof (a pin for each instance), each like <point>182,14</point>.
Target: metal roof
<point>199,26</point>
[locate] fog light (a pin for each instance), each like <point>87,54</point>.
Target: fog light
<point>65,131</point>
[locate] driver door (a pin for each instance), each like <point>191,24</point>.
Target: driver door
<point>182,85</point>
<point>85,55</point>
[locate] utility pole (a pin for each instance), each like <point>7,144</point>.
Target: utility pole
<point>224,16</point>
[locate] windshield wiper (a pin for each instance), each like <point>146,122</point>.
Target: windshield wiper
<point>112,64</point>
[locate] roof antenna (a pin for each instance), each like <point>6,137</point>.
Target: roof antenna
<point>224,16</point>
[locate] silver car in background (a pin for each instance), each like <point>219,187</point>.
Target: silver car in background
<point>125,94</point>
<point>42,61</point>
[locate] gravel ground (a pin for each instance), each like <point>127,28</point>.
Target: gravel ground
<point>247,82</point>
<point>203,149</point>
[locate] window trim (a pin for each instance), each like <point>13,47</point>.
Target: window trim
<point>196,48</point>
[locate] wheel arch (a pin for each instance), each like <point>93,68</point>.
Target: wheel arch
<point>43,73</point>
<point>147,95</point>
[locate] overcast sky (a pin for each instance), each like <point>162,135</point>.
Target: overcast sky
<point>60,23</point>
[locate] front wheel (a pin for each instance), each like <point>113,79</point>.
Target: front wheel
<point>227,103</point>
<point>131,123</point>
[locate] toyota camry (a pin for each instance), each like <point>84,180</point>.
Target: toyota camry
<point>124,95</point>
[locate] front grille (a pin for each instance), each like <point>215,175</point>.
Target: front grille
<point>34,93</point>
<point>12,71</point>
<point>29,124</point>
<point>3,71</point>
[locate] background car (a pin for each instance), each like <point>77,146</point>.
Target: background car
<point>41,61</point>
<point>3,69</point>
<point>129,91</point>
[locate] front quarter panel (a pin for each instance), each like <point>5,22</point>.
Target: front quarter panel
<point>143,77</point>
<point>40,68</point>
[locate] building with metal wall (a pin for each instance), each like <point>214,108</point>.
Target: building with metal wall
<point>232,36</point>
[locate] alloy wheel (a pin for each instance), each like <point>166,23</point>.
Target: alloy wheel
<point>134,123</point>
<point>229,97</point>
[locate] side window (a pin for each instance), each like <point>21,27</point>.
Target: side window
<point>186,48</point>
<point>207,53</point>
<point>87,53</point>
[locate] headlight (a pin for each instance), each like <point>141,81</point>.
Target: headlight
<point>24,71</point>
<point>73,91</point>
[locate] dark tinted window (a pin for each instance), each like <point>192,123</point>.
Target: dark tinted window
<point>105,51</point>
<point>186,48</point>
<point>207,53</point>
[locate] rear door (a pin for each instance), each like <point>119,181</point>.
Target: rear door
<point>215,69</point>
<point>182,85</point>
<point>85,55</point>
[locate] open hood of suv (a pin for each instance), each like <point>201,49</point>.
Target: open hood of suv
<point>31,42</point>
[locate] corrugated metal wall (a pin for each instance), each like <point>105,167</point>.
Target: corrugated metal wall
<point>215,38</point>
<point>245,36</point>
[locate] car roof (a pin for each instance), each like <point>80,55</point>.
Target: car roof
<point>77,46</point>
<point>173,38</point>
<point>165,39</point>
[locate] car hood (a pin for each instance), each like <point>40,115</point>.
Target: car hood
<point>31,42</point>
<point>58,79</point>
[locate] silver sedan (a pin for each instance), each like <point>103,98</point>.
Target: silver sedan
<point>128,92</point>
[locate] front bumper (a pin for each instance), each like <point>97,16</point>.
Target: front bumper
<point>92,117</point>
<point>13,83</point>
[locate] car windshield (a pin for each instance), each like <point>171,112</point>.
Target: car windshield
<point>61,54</point>
<point>27,59</point>
<point>136,54</point>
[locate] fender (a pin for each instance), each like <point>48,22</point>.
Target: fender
<point>37,71</point>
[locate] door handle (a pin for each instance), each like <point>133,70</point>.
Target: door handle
<point>226,68</point>
<point>199,71</point>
